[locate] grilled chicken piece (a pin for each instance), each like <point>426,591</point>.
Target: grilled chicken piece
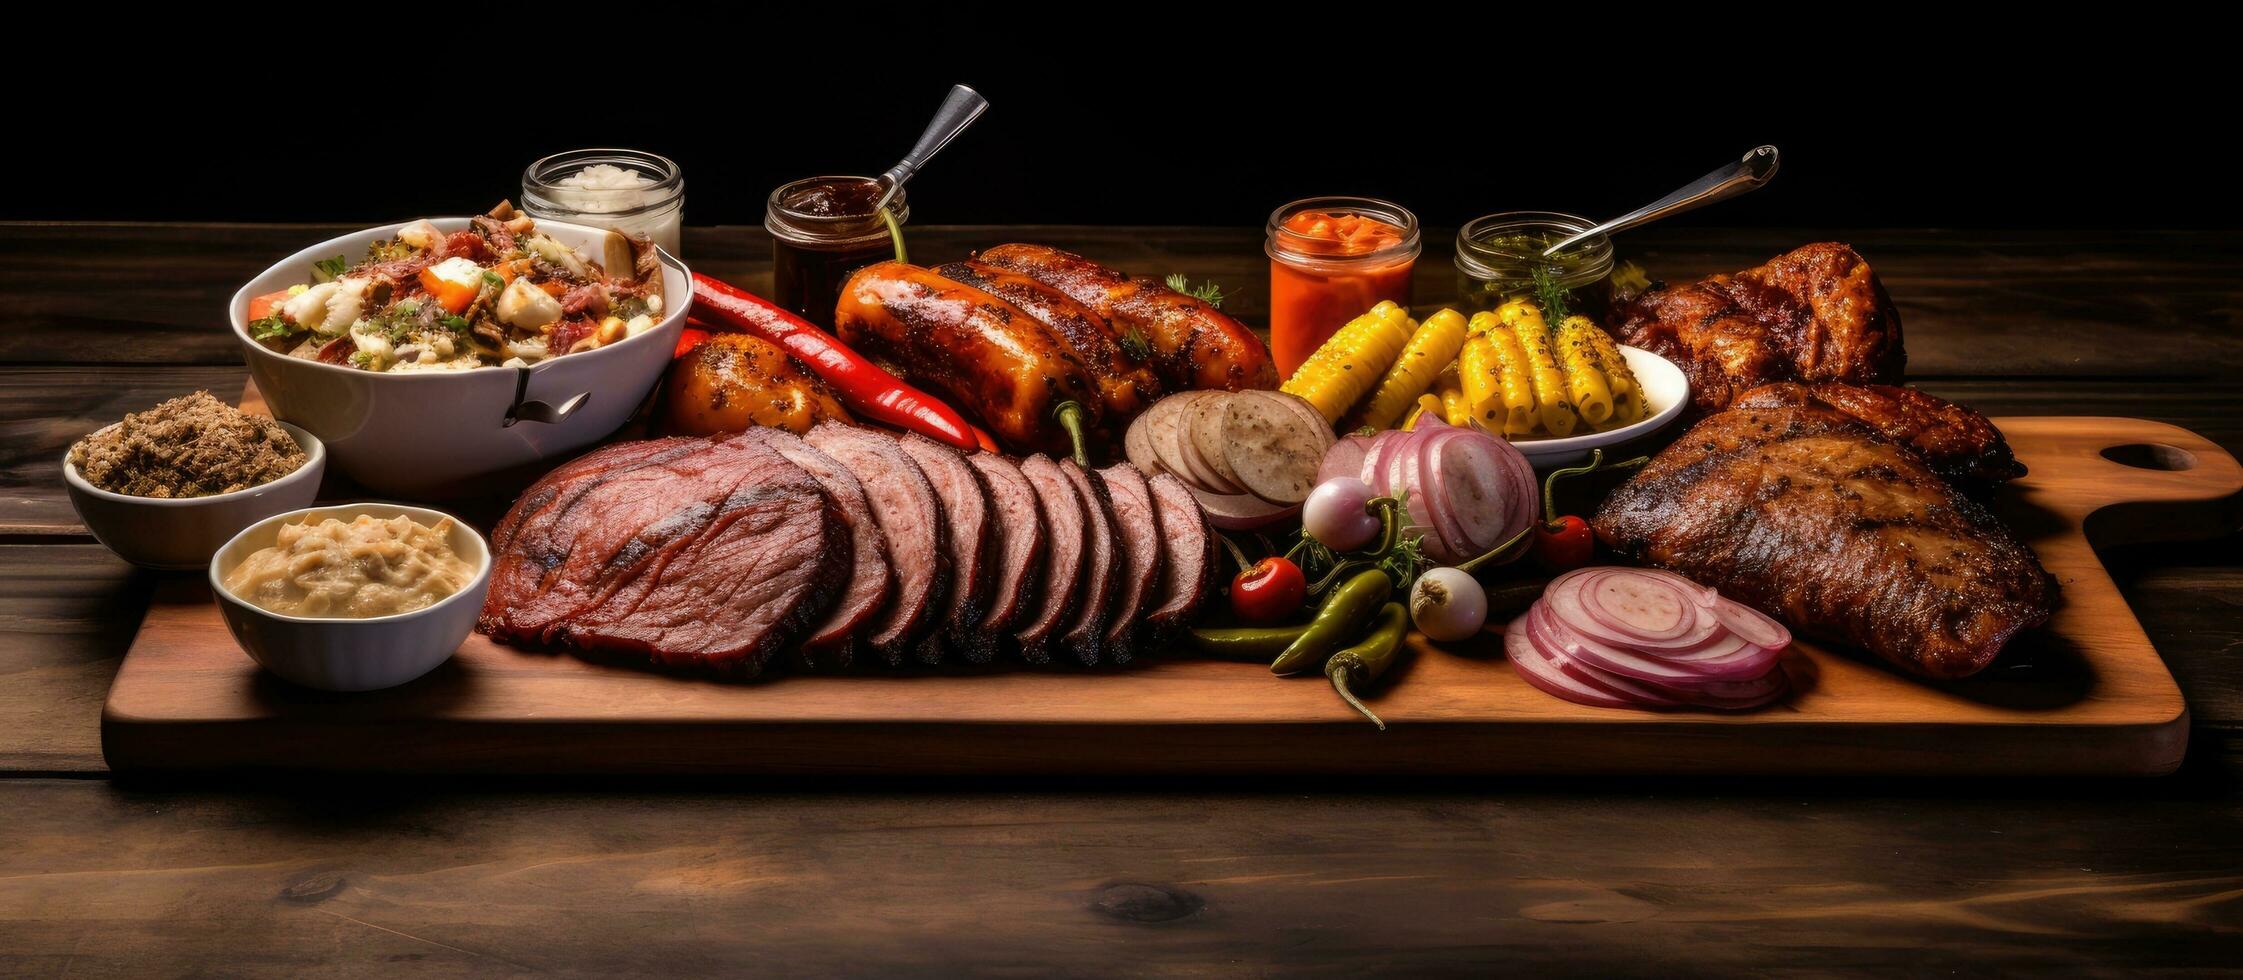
<point>1959,443</point>
<point>1815,313</point>
<point>1809,515</point>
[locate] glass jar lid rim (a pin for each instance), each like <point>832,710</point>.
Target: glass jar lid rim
<point>670,178</point>
<point>1594,253</point>
<point>777,202</point>
<point>1279,237</point>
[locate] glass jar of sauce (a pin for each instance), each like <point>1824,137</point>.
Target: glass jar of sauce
<point>1499,257</point>
<point>822,229</point>
<point>1330,259</point>
<point>632,191</point>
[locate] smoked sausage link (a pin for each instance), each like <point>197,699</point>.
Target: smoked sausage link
<point>1195,346</point>
<point>984,355</point>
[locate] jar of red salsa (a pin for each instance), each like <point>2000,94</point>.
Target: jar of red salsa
<point>822,229</point>
<point>1330,259</point>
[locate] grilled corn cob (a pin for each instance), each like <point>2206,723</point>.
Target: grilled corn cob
<point>1432,346</point>
<point>1553,404</point>
<point>1337,375</point>
<point>1512,415</point>
<point>1584,372</point>
<point>1628,406</point>
<point>1479,383</point>
<point>1450,388</point>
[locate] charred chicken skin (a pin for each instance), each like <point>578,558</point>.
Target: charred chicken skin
<point>1957,442</point>
<point>1812,516</point>
<point>1815,313</point>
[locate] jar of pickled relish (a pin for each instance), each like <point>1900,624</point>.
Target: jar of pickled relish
<point>1499,257</point>
<point>1331,259</point>
<point>822,230</point>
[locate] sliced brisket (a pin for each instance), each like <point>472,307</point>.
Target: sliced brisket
<point>1017,553</point>
<point>1086,630</point>
<point>709,556</point>
<point>1188,556</point>
<point>869,584</point>
<point>968,532</point>
<point>903,504</point>
<point>1137,530</point>
<point>1061,510</point>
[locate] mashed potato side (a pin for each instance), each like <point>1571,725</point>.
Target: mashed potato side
<point>357,570</point>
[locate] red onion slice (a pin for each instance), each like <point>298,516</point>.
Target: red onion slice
<point>1642,666</point>
<point>1543,673</point>
<point>1753,625</point>
<point>1614,636</point>
<point>1345,458</point>
<point>1569,601</point>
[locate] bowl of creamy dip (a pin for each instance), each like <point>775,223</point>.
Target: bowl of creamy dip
<point>353,597</point>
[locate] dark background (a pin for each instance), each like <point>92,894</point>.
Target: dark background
<point>2007,131</point>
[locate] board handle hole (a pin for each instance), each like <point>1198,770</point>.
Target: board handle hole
<point>2151,456</point>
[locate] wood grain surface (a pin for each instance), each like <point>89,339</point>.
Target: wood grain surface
<point>2085,695</point>
<point>1105,875</point>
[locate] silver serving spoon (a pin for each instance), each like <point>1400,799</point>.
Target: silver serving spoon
<point>1720,185</point>
<point>959,109</point>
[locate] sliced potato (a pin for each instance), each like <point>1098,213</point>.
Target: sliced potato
<point>616,255</point>
<point>1271,449</point>
<point>1204,427</point>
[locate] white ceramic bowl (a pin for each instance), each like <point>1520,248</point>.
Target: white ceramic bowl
<point>352,654</point>
<point>1667,392</point>
<point>180,534</point>
<point>445,435</point>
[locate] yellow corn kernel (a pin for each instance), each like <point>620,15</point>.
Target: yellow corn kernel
<point>1584,371</point>
<point>1356,356</point>
<point>1450,387</point>
<point>1515,382</point>
<point>1553,404</point>
<point>1628,405</point>
<point>1431,346</point>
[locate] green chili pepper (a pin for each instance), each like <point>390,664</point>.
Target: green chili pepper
<point>1255,643</point>
<point>1341,615</point>
<point>1365,661</point>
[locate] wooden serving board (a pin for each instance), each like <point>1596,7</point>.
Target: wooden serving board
<point>2085,695</point>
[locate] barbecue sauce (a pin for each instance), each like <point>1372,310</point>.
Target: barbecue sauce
<point>822,230</point>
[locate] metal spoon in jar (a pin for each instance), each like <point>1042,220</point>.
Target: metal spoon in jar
<point>1720,185</point>
<point>959,109</point>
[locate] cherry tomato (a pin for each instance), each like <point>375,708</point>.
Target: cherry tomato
<point>1271,590</point>
<point>1564,544</point>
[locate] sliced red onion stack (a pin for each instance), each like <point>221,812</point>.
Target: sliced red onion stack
<point>1641,638</point>
<point>1466,491</point>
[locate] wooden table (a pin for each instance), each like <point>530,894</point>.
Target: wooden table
<point>1642,876</point>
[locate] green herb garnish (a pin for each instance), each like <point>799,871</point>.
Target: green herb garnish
<point>1207,292</point>
<point>328,270</point>
<point>493,278</point>
<point>1553,297</point>
<point>275,327</point>
<point>455,323</point>
<point>363,360</point>
<point>1135,346</point>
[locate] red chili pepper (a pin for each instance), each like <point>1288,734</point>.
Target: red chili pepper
<point>871,392</point>
<point>1272,589</point>
<point>688,339</point>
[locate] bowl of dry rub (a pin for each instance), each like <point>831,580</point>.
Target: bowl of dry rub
<point>166,487</point>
